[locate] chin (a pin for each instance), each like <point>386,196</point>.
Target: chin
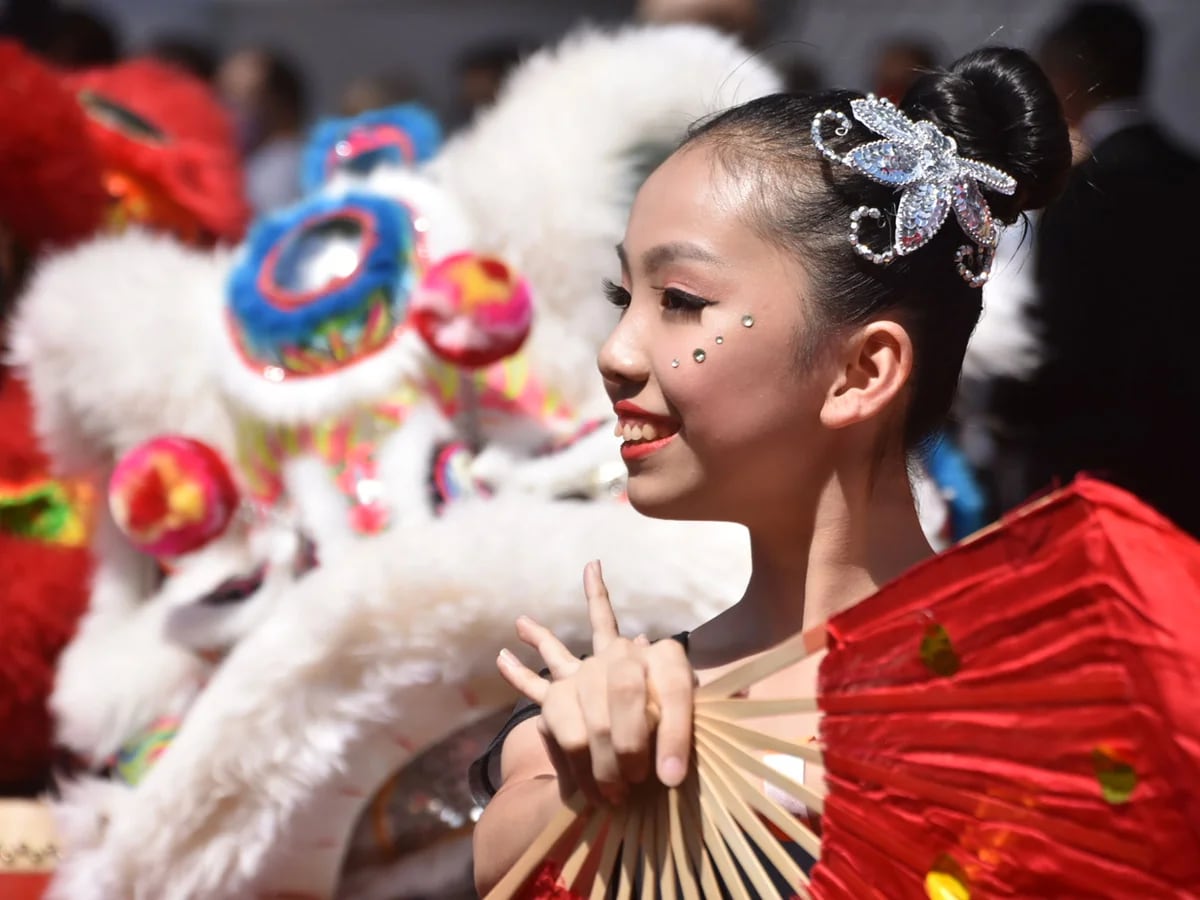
<point>661,501</point>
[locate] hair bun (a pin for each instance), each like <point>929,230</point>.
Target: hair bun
<point>1000,108</point>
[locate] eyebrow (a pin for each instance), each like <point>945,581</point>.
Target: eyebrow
<point>657,257</point>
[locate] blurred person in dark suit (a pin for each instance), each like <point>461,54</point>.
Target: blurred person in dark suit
<point>71,36</point>
<point>1118,392</point>
<point>899,63</point>
<point>267,97</point>
<point>190,54</point>
<point>481,71</point>
<point>741,18</point>
<point>370,92</point>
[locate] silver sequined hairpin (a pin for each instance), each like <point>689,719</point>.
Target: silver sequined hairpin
<point>917,158</point>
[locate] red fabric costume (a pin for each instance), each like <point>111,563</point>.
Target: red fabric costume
<point>50,195</point>
<point>167,148</point>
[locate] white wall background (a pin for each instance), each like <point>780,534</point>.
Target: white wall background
<point>336,40</point>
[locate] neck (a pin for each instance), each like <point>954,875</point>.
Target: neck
<point>856,535</point>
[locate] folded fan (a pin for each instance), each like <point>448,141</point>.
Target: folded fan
<point>1013,718</point>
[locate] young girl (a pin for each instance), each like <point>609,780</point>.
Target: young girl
<point>798,283</point>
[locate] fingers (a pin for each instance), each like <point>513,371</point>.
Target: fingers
<point>629,724</point>
<point>561,661</point>
<point>563,727</point>
<point>522,678</point>
<point>592,684</point>
<point>673,685</point>
<point>600,611</point>
<point>562,767</point>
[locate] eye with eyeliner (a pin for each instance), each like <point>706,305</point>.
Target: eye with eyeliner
<point>673,300</point>
<point>676,301</point>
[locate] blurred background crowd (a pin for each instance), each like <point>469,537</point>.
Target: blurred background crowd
<point>1083,360</point>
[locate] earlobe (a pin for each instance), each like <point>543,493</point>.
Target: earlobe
<point>875,367</point>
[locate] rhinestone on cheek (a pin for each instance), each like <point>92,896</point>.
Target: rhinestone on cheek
<point>699,355</point>
<point>748,321</point>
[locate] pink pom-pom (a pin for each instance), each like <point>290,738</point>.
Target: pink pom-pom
<point>472,310</point>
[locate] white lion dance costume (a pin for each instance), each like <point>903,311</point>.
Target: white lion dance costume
<point>341,460</point>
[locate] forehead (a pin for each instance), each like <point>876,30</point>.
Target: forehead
<point>690,189</point>
<point>693,200</point>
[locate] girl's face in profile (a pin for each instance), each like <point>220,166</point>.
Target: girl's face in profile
<point>719,418</point>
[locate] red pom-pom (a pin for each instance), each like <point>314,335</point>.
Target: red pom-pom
<point>147,499</point>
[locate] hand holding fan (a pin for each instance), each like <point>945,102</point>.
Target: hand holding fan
<point>1014,718</point>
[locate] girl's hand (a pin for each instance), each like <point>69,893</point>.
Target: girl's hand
<point>604,718</point>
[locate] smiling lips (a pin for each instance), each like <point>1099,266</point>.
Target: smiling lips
<point>643,432</point>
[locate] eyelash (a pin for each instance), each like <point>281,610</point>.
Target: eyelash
<point>683,303</point>
<point>673,299</point>
<point>616,295</point>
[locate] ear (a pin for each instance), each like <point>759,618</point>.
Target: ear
<point>875,365</point>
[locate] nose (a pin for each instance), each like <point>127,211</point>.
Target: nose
<point>623,362</point>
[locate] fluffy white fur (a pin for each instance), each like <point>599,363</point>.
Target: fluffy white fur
<point>547,174</point>
<point>118,674</point>
<point>385,633</point>
<point>113,336</point>
<point>360,648</point>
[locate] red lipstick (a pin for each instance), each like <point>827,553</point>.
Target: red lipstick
<point>633,411</point>
<point>633,450</point>
<point>641,449</point>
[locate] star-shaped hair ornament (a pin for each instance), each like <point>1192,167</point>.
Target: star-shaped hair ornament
<point>922,162</point>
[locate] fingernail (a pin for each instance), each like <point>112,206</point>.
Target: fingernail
<point>672,771</point>
<point>506,658</point>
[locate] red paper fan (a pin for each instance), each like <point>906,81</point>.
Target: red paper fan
<point>1014,718</point>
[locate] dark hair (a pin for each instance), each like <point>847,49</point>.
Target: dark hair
<point>284,84</point>
<point>1000,109</point>
<point>82,38</point>
<point>499,56</point>
<point>1106,43</point>
<point>190,55</point>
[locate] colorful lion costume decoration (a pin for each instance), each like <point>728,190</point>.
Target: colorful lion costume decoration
<point>352,452</point>
<point>73,164</point>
